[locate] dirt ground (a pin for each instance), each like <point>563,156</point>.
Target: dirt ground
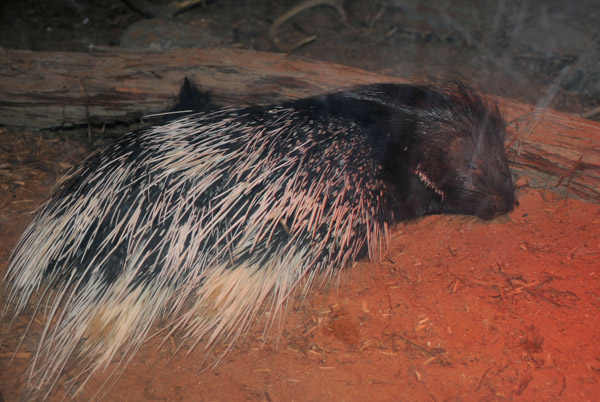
<point>457,309</point>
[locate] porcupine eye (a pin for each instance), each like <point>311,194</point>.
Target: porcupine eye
<point>472,168</point>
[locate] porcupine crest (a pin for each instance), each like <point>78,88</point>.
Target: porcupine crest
<point>236,207</point>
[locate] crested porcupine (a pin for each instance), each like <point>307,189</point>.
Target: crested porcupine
<point>199,221</point>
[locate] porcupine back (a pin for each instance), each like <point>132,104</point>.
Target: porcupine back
<point>203,219</point>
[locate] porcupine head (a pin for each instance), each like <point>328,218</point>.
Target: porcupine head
<point>453,161</point>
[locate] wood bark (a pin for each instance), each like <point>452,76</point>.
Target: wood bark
<point>54,89</point>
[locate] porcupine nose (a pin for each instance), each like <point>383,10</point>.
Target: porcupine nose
<point>500,204</point>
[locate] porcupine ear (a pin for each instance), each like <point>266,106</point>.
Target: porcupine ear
<point>192,99</point>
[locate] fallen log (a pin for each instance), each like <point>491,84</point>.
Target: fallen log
<point>54,89</point>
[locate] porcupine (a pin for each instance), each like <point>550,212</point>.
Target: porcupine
<point>200,221</point>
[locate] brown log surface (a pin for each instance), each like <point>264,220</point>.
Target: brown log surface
<point>555,150</point>
<point>53,89</point>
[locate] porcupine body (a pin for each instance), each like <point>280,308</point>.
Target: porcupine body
<point>201,220</point>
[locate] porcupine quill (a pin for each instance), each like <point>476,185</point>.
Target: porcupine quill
<point>201,220</point>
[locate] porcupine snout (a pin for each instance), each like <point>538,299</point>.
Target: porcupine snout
<point>486,201</point>
<point>499,193</point>
<point>497,204</point>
